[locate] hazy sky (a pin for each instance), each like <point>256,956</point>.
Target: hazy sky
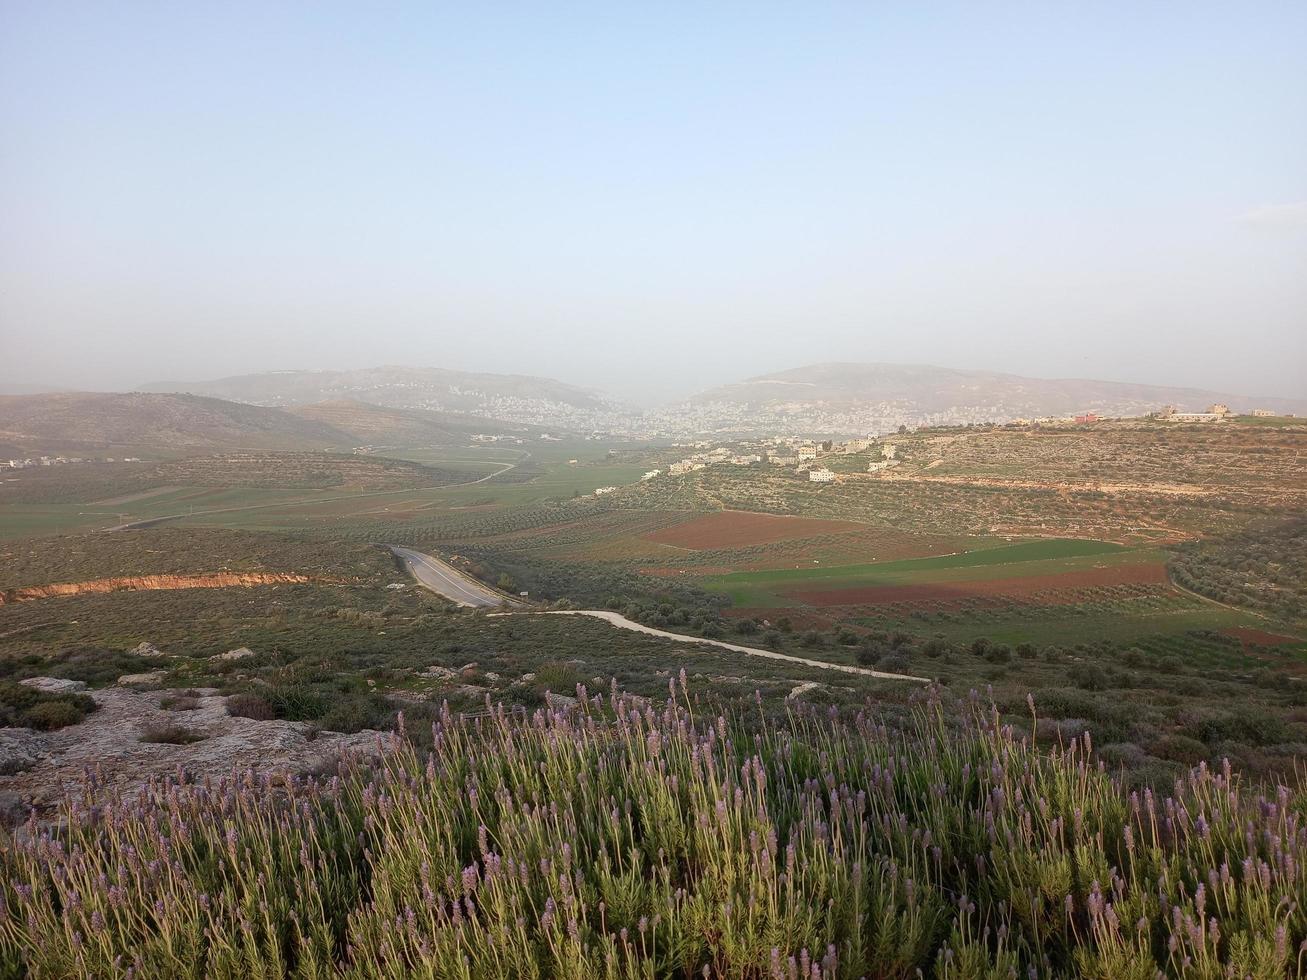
<point>654,197</point>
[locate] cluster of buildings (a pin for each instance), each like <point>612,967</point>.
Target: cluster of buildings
<point>1215,413</point>
<point>30,461</point>
<point>804,455</point>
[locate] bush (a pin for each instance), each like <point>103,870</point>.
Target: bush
<point>250,705</point>
<point>25,707</point>
<point>50,715</point>
<point>168,733</point>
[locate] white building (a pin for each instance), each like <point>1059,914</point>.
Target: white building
<point>822,475</point>
<point>807,452</point>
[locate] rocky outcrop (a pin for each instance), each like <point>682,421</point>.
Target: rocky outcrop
<point>148,583</point>
<point>40,767</point>
<point>20,750</point>
<point>54,685</point>
<point>142,680</point>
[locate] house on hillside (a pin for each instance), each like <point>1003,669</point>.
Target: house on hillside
<point>1219,409</point>
<point>1263,413</point>
<point>822,475</point>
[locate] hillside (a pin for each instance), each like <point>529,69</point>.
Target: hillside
<point>857,397</point>
<point>511,397</point>
<point>643,842</point>
<point>85,421</point>
<point>378,425</point>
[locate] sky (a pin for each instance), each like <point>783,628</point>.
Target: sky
<point>653,198</point>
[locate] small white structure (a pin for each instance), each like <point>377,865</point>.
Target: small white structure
<point>822,475</point>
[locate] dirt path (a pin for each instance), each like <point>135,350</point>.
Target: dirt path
<point>627,624</point>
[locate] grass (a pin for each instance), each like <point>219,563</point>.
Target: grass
<point>1044,557</point>
<point>628,839</point>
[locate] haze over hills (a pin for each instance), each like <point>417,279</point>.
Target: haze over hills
<point>842,397</point>
<point>82,421</point>
<point>436,406</point>
<point>508,397</point>
<point>367,423</point>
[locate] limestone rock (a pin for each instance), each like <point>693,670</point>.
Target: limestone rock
<point>240,653</point>
<point>20,750</point>
<point>142,680</point>
<point>54,685</point>
<point>146,649</point>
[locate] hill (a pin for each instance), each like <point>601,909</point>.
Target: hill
<point>376,424</point>
<point>860,397</point>
<point>83,421</point>
<point>509,397</point>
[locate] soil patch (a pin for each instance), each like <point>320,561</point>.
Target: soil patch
<point>739,529</point>
<point>1025,586</point>
<point>1251,637</point>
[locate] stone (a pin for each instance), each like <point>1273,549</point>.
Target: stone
<point>491,676</point>
<point>240,653</point>
<point>146,649</point>
<point>54,685</point>
<point>142,680</point>
<point>20,750</point>
<point>439,673</point>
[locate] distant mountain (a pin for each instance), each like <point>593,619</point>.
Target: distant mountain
<point>509,397</point>
<point>84,421</point>
<point>377,425</point>
<point>856,397</point>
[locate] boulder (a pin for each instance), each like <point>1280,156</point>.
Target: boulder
<point>54,685</point>
<point>146,649</point>
<point>142,680</point>
<point>439,673</point>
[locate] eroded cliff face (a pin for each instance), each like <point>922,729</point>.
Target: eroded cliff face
<point>145,583</point>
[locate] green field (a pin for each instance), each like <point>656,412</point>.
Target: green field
<point>1041,557</point>
<point>546,474</point>
<point>1125,621</point>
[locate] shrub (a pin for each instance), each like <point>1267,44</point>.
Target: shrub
<point>250,705</point>
<point>50,715</point>
<point>168,733</point>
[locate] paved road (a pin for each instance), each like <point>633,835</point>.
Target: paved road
<point>447,581</point>
<point>628,624</point>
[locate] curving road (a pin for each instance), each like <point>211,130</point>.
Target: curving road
<point>629,624</point>
<point>445,580</point>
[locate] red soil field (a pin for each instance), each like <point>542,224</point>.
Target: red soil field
<point>1022,586</point>
<point>738,529</point>
<point>1259,638</point>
